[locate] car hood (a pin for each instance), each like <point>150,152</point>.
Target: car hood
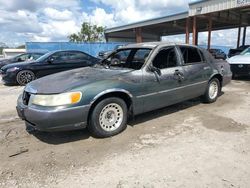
<point>65,81</point>
<point>4,62</point>
<point>239,59</point>
<point>19,64</point>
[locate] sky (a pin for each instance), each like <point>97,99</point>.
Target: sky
<point>54,20</point>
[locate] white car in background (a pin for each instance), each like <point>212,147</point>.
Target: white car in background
<point>240,64</point>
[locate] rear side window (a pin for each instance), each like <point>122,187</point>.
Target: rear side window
<point>36,56</point>
<point>77,56</point>
<point>190,55</point>
<point>60,57</point>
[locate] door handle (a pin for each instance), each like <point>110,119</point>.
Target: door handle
<point>178,75</point>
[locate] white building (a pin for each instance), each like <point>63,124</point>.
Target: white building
<point>8,52</point>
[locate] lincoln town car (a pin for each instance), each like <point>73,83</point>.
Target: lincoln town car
<point>134,79</point>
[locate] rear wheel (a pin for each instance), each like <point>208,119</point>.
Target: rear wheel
<point>213,91</point>
<point>108,118</point>
<point>24,77</point>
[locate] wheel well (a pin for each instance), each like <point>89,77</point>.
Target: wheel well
<point>219,77</point>
<point>127,99</point>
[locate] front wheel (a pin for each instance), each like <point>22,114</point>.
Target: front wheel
<point>213,91</point>
<point>108,118</point>
<point>24,77</point>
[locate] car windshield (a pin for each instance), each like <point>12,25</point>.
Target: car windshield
<point>131,58</point>
<point>44,57</point>
<point>246,52</point>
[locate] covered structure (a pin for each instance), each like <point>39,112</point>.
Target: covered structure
<point>8,52</point>
<point>202,16</point>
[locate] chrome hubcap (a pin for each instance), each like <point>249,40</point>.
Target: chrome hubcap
<point>213,90</point>
<point>111,117</point>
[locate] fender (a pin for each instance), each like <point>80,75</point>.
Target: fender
<point>111,91</point>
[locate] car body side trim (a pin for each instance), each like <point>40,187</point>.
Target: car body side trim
<point>165,91</point>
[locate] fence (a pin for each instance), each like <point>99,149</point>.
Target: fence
<point>90,48</point>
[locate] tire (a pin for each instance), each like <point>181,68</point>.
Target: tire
<point>212,92</point>
<point>108,118</point>
<point>25,76</point>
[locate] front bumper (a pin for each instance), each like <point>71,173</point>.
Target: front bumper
<point>8,78</point>
<point>240,69</point>
<point>53,120</point>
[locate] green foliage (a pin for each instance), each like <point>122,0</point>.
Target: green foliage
<point>21,47</point>
<point>1,50</point>
<point>88,33</point>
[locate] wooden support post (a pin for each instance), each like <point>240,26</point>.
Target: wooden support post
<point>195,33</point>
<point>244,36</point>
<point>138,35</point>
<point>239,34</point>
<point>210,25</point>
<point>187,31</point>
<point>196,38</point>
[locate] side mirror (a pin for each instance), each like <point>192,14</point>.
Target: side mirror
<point>155,70</point>
<point>50,60</point>
<point>19,59</point>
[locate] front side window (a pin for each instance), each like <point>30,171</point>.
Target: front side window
<point>166,58</point>
<point>128,58</point>
<point>190,55</point>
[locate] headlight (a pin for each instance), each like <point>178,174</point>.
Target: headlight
<point>12,69</point>
<point>57,99</point>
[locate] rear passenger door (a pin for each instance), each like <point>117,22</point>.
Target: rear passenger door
<point>78,59</point>
<point>196,71</point>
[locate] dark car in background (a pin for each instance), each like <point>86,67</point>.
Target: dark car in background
<point>134,79</point>
<point>237,51</point>
<point>21,58</point>
<point>50,63</point>
<point>105,54</point>
<point>218,53</point>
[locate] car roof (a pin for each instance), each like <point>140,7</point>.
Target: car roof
<point>67,51</point>
<point>155,44</point>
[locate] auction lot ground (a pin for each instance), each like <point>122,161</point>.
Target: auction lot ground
<point>186,145</point>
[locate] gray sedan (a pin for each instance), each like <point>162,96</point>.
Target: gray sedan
<point>134,79</point>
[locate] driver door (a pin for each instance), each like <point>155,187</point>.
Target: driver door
<point>163,82</point>
<point>55,63</point>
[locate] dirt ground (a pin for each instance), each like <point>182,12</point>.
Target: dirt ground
<point>190,144</point>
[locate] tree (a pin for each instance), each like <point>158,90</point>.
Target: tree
<point>88,33</point>
<point>21,46</point>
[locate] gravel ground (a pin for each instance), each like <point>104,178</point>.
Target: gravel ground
<point>190,144</point>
